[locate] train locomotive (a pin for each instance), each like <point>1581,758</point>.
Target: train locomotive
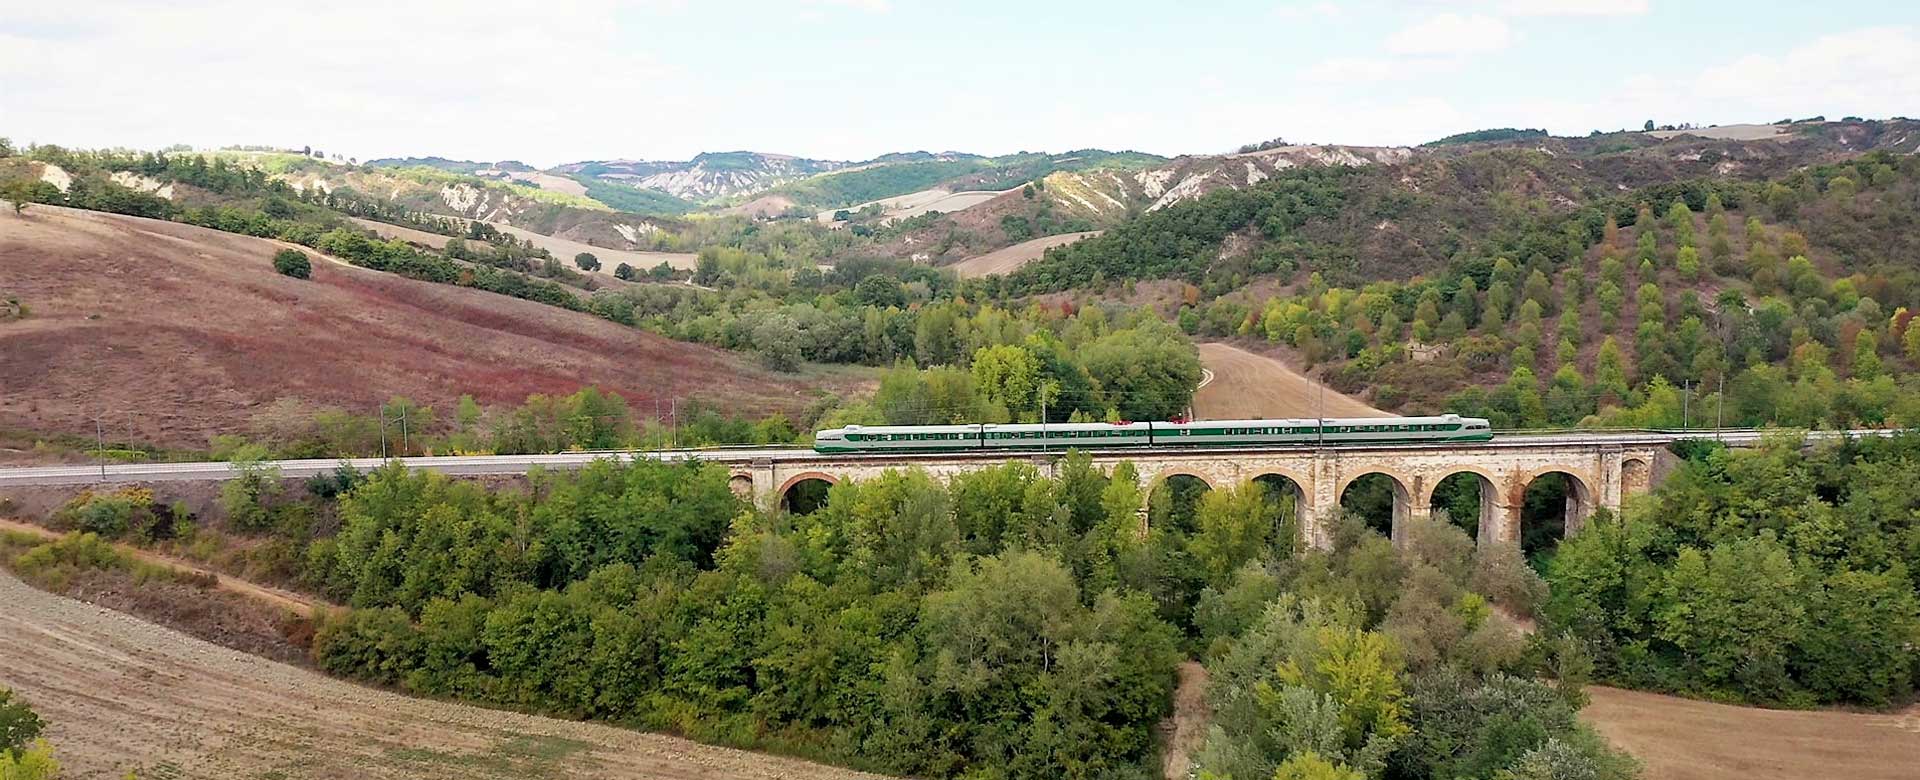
<point>1308,432</point>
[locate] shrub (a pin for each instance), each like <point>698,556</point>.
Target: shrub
<point>293,262</point>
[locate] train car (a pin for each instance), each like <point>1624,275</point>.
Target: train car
<point>1102,436</point>
<point>1331,431</point>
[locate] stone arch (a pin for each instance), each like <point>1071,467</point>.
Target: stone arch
<point>1636,477</point>
<point>1402,498</point>
<point>786,493</point>
<point>1287,485</point>
<point>1486,523</point>
<point>1181,497</point>
<point>741,483</point>
<point>1530,527</point>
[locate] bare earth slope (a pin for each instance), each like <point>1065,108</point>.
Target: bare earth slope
<point>182,332</point>
<point>1250,386</point>
<point>121,694</point>
<point>1008,260</point>
<point>1683,739</point>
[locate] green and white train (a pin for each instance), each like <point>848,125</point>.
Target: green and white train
<point>1206,433</point>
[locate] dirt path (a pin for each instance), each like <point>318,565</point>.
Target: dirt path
<point>121,694</point>
<point>293,602</point>
<point>1684,739</point>
<point>1182,735</point>
<point>1010,259</point>
<point>1250,386</point>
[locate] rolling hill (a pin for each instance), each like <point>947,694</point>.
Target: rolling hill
<point>182,332</point>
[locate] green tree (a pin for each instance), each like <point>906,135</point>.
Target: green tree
<point>1687,262</point>
<point>1008,376</point>
<point>586,261</point>
<point>1610,370</point>
<point>1234,526</point>
<point>623,272</point>
<point>1866,355</point>
<point>19,726</point>
<point>292,262</point>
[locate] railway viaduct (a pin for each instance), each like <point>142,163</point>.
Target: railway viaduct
<point>1600,468</point>
<point>1600,471</point>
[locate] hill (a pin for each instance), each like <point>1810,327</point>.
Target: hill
<point>1621,267</point>
<point>708,176</point>
<point>183,332</point>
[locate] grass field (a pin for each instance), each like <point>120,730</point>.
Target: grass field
<point>178,332</point>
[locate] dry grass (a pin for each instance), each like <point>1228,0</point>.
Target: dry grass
<point>1684,739</point>
<point>182,332</point>
<point>1250,386</point>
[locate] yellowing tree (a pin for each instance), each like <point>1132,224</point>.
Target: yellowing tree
<point>1009,376</point>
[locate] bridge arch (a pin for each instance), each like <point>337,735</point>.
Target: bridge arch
<point>1469,495</point>
<point>1636,476</point>
<point>807,491</point>
<point>1377,485</point>
<point>741,483</point>
<point>1551,504</point>
<point>1283,486</point>
<point>1172,496</point>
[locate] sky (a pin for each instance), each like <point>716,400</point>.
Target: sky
<point>557,81</point>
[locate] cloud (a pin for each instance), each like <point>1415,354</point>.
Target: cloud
<point>1878,66</point>
<point>1451,33</point>
<point>1871,72</point>
<point>1575,7</point>
<point>869,6</point>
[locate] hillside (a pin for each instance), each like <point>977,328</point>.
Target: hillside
<point>1544,283</point>
<point>183,332</point>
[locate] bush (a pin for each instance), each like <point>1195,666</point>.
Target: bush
<point>18,723</point>
<point>293,262</point>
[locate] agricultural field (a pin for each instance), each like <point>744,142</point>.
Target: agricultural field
<point>1245,385</point>
<point>123,694</point>
<point>173,333</point>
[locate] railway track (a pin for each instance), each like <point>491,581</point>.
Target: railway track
<point>520,464</point>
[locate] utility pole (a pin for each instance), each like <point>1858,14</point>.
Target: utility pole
<point>100,446</point>
<point>1320,426</point>
<point>1686,395</point>
<point>1720,407</point>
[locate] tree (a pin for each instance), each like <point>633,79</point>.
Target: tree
<point>1649,126</point>
<point>34,762</point>
<point>1610,370</point>
<point>1687,262</point>
<point>21,192</point>
<point>1866,355</point>
<point>1009,376</point>
<point>19,726</point>
<point>1232,527</point>
<point>292,262</point>
<point>245,497</point>
<point>586,261</point>
<point>623,272</point>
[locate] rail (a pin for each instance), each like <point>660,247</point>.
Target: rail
<point>516,464</point>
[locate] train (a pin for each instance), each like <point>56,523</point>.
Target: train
<point>1308,432</point>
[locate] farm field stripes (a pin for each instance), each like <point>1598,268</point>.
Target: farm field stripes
<point>1686,739</point>
<point>122,694</point>
<point>1247,385</point>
